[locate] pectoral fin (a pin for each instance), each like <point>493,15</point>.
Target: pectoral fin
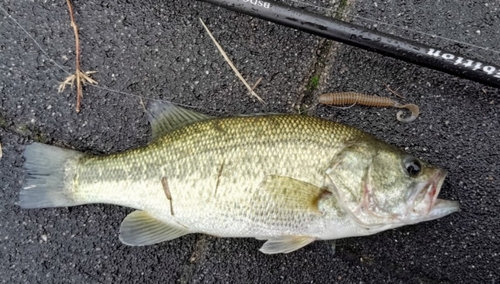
<point>292,194</point>
<point>285,244</point>
<point>140,229</point>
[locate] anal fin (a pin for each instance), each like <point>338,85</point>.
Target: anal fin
<point>141,229</point>
<point>285,244</point>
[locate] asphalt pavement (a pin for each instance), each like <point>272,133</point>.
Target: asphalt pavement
<point>159,50</point>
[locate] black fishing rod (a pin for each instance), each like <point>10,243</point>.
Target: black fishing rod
<point>389,45</point>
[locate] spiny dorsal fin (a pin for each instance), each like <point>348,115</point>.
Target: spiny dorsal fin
<point>141,229</point>
<point>165,117</point>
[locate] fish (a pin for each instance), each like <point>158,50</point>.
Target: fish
<point>287,179</point>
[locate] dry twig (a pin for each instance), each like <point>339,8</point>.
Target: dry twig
<point>79,76</point>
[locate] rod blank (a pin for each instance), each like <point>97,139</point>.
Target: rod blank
<point>389,45</point>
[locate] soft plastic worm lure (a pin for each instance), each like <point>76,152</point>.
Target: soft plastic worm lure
<point>351,98</point>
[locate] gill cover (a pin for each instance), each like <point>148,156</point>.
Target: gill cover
<point>371,184</point>
<point>349,177</point>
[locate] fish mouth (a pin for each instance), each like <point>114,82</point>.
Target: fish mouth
<point>424,202</point>
<point>421,205</point>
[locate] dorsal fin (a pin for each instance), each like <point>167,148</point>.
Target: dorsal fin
<point>165,117</point>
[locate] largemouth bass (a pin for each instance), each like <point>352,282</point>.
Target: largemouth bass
<point>287,179</point>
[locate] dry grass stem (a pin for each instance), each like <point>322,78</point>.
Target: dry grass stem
<point>393,92</point>
<point>256,83</point>
<point>142,104</point>
<point>250,89</point>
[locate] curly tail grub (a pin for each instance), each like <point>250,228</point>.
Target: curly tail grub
<point>350,98</point>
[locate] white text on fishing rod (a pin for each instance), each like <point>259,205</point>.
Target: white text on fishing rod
<point>259,3</point>
<point>471,64</point>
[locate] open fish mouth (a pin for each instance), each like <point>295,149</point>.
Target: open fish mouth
<point>424,201</point>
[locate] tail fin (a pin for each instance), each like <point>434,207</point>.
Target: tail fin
<point>50,170</point>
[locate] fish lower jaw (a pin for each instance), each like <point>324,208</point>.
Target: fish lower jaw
<point>444,207</point>
<point>440,208</point>
<point>435,209</point>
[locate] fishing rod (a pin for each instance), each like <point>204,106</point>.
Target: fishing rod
<point>385,44</point>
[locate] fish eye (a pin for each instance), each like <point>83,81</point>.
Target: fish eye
<point>413,166</point>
